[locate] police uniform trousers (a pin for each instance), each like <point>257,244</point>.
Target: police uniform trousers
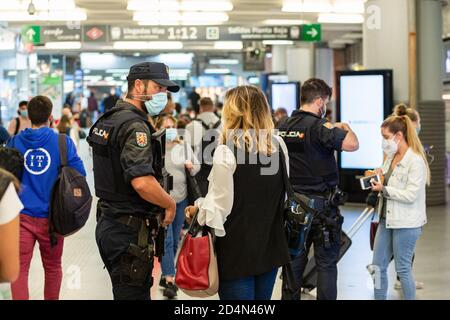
<point>326,260</point>
<point>113,240</point>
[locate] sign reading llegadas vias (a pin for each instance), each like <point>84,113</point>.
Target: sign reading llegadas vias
<point>205,33</point>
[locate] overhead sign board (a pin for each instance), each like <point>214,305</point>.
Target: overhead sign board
<point>205,33</point>
<point>105,33</point>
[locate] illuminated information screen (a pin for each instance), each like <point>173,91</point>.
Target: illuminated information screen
<point>362,107</point>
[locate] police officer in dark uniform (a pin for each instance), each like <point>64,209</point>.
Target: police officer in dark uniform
<point>312,141</point>
<point>133,207</point>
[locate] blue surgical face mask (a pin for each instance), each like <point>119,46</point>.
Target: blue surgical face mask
<point>418,129</point>
<point>156,104</point>
<point>24,113</point>
<point>171,134</point>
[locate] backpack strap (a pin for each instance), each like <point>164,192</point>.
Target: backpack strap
<point>62,149</point>
<point>16,131</point>
<point>204,125</point>
<point>63,156</point>
<point>216,125</point>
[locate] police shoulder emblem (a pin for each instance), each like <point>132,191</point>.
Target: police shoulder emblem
<point>328,125</point>
<point>141,139</point>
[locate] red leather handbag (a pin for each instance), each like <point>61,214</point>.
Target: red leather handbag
<point>196,267</point>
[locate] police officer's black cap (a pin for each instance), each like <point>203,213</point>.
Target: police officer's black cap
<point>155,71</point>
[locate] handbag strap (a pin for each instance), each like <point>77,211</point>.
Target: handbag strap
<point>302,200</point>
<point>185,149</point>
<point>195,227</point>
<point>287,183</point>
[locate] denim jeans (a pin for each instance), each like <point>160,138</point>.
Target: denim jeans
<point>401,244</point>
<point>258,287</point>
<point>172,239</point>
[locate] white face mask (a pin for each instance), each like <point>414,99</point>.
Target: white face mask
<point>323,110</point>
<point>390,147</point>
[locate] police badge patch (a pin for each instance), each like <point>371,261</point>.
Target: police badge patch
<point>141,139</point>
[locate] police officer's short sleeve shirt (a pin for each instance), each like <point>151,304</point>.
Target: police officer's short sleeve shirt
<point>329,137</point>
<point>136,156</point>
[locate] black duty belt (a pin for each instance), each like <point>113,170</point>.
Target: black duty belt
<point>134,222</point>
<point>318,202</point>
<point>141,224</point>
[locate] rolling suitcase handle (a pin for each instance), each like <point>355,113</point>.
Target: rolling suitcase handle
<point>360,221</point>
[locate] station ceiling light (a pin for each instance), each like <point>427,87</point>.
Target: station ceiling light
<point>340,18</point>
<point>170,5</point>
<point>224,61</point>
<point>324,6</point>
<point>282,22</point>
<point>277,42</point>
<point>175,18</point>
<point>353,36</point>
<point>142,5</point>
<point>148,45</point>
<point>217,71</point>
<point>39,5</point>
<point>204,16</point>
<point>117,71</point>
<point>228,45</point>
<point>342,41</point>
<point>72,15</point>
<point>68,45</point>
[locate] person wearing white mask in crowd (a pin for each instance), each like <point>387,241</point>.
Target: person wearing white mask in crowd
<point>179,155</point>
<point>402,208</point>
<point>74,127</point>
<point>21,122</point>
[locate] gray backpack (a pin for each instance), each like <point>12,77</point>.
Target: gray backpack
<point>71,198</point>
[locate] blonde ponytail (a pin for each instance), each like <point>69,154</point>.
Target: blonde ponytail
<point>414,143</point>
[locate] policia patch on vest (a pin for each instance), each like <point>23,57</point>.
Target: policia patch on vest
<point>141,139</point>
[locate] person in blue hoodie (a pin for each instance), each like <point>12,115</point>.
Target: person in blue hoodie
<point>39,146</point>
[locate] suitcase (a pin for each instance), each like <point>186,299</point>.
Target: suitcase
<point>309,280</point>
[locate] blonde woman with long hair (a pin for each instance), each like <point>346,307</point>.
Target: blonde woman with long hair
<point>245,198</point>
<point>402,208</point>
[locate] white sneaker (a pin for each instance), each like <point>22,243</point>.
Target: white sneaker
<point>398,285</point>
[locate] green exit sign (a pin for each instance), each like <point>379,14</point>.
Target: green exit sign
<point>31,34</point>
<point>311,32</point>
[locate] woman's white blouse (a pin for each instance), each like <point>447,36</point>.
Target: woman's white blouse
<point>215,207</point>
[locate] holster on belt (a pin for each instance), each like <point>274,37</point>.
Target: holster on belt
<point>146,228</point>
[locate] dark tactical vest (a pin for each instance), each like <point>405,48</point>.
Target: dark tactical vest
<point>313,169</point>
<point>108,173</point>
